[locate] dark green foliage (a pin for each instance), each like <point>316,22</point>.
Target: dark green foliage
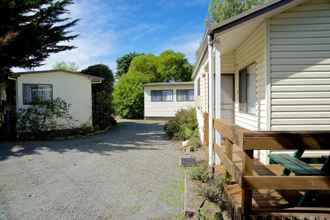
<point>200,173</point>
<point>128,97</point>
<point>183,126</point>
<point>124,62</point>
<point>32,29</point>
<point>102,96</point>
<point>220,10</point>
<point>44,116</point>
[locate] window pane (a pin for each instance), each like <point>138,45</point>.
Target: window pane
<point>156,96</point>
<point>184,95</point>
<point>161,95</point>
<point>251,93</point>
<point>167,95</point>
<point>36,92</point>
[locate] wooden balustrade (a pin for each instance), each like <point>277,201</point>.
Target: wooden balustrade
<point>236,154</point>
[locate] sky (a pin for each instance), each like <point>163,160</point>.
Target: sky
<point>111,28</point>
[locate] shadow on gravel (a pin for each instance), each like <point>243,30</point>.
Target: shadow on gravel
<point>126,136</point>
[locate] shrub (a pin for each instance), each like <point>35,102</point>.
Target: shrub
<point>128,96</point>
<point>200,173</point>
<point>213,190</point>
<point>102,96</point>
<point>183,126</point>
<point>44,116</point>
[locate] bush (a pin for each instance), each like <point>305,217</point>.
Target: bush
<point>128,95</point>
<point>102,96</point>
<point>200,173</point>
<point>183,126</point>
<point>44,116</point>
<point>213,190</point>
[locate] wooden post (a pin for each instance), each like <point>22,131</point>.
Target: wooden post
<point>246,192</point>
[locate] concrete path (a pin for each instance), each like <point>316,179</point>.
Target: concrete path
<point>130,172</point>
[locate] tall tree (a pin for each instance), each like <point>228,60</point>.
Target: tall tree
<point>69,66</point>
<point>220,10</point>
<point>32,29</point>
<point>147,65</point>
<point>174,66</point>
<point>102,95</point>
<point>124,62</point>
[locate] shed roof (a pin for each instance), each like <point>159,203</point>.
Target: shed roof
<point>91,77</point>
<point>168,84</point>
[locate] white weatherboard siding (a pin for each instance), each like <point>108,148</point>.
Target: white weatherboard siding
<point>253,51</point>
<point>73,88</point>
<point>300,67</point>
<point>164,109</point>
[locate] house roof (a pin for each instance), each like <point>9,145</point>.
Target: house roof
<point>168,84</point>
<point>238,20</point>
<point>91,77</point>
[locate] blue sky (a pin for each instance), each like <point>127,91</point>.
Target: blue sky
<point>111,28</point>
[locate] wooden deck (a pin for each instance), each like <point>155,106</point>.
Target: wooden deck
<point>259,190</point>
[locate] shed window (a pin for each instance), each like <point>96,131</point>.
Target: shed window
<point>247,90</point>
<point>161,95</point>
<point>33,93</point>
<point>185,95</point>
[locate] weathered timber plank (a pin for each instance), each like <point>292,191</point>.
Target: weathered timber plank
<point>228,130</point>
<point>230,166</point>
<point>288,182</point>
<point>286,140</point>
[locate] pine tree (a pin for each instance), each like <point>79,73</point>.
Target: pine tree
<point>30,30</point>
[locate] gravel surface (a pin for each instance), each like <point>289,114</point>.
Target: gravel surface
<point>131,172</point>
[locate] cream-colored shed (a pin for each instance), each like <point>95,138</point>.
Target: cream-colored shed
<point>73,87</point>
<point>278,55</point>
<point>163,100</point>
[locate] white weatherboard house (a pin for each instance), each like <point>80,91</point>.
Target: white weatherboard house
<point>73,87</point>
<point>267,69</point>
<point>163,100</point>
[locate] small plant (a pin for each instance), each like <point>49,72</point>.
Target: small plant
<point>200,173</point>
<point>183,126</point>
<point>213,190</point>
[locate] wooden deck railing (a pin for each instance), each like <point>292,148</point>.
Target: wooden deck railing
<point>206,128</point>
<point>236,154</point>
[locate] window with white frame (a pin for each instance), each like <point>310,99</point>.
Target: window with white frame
<point>185,95</point>
<point>161,95</point>
<point>33,93</point>
<point>247,90</point>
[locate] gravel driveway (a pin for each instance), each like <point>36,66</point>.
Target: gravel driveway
<point>130,172</point>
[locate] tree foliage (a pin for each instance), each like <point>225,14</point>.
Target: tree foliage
<point>69,66</point>
<point>174,66</point>
<point>128,95</point>
<point>102,96</point>
<point>146,65</point>
<point>124,62</point>
<point>220,10</point>
<point>32,29</point>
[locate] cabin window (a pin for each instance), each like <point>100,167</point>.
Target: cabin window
<point>247,90</point>
<point>185,95</point>
<point>198,87</point>
<point>33,93</point>
<point>161,95</point>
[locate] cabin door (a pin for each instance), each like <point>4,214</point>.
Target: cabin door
<point>227,97</point>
